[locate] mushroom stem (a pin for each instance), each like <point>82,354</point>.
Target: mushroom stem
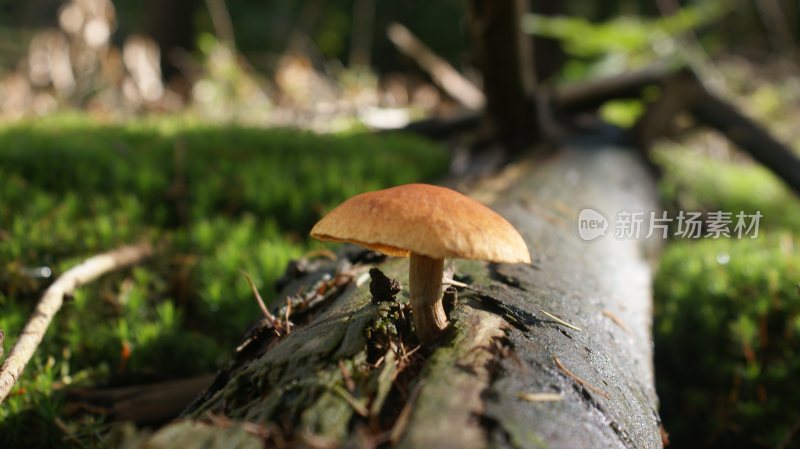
<point>425,283</point>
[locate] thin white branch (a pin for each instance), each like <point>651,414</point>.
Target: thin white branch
<point>51,302</point>
<point>448,78</point>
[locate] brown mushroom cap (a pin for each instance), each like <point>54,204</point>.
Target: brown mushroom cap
<point>424,219</point>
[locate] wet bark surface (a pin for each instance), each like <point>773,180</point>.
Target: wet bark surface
<point>603,287</point>
<point>513,371</point>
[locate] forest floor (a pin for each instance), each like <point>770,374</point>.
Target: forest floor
<point>230,198</point>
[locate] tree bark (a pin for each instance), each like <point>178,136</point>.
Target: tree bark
<point>554,354</point>
<point>504,56</point>
<point>548,55</point>
<point>171,24</point>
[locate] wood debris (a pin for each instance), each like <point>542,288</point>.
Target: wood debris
<point>541,397</point>
<point>577,379</point>
<point>560,321</point>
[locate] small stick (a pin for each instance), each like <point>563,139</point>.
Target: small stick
<point>541,397</point>
<point>322,253</point>
<point>401,422</point>
<point>575,377</point>
<point>51,302</point>
<point>270,317</point>
<point>348,380</point>
<point>560,321</point>
<point>443,74</point>
<point>221,21</point>
<point>357,406</point>
<point>456,283</point>
<point>617,320</point>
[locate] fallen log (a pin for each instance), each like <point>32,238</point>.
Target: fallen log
<point>557,353</point>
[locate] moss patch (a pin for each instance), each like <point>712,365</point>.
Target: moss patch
<point>223,198</point>
<point>727,323</point>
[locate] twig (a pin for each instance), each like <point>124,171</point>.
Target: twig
<point>320,253</point>
<point>357,405</point>
<point>401,422</point>
<point>443,74</point>
<point>541,397</point>
<point>617,320</point>
<point>221,20</point>
<point>560,321</point>
<point>270,317</point>
<point>456,283</point>
<point>577,379</point>
<point>51,302</point>
<point>68,433</point>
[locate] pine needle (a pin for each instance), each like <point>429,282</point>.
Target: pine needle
<point>577,379</point>
<point>560,321</point>
<point>541,397</point>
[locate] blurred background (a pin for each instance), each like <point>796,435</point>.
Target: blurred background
<point>226,129</point>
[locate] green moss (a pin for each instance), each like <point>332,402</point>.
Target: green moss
<point>726,328</point>
<point>700,183</point>
<point>222,198</point>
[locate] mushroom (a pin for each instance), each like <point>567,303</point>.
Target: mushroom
<point>428,224</point>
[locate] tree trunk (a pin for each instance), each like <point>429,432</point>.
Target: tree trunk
<point>171,24</point>
<point>504,56</point>
<point>548,55</point>
<point>508,374</point>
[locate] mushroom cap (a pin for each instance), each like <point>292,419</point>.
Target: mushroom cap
<point>424,219</point>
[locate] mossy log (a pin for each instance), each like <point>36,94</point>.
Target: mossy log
<point>508,373</point>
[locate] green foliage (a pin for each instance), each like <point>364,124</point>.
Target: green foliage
<point>223,199</point>
<point>624,34</point>
<point>727,331</point>
<point>622,113</point>
<point>625,41</point>
<point>695,182</point>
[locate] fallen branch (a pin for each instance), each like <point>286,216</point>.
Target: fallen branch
<point>51,302</point>
<point>440,127</point>
<point>142,404</point>
<point>570,98</point>
<point>591,94</point>
<point>749,136</point>
<point>443,74</point>
<point>683,91</point>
